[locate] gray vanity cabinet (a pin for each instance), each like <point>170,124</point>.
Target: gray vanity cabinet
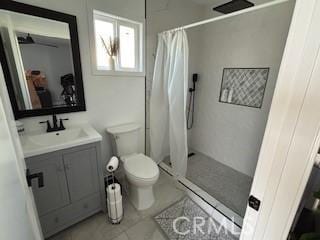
<point>71,189</point>
<point>81,171</point>
<point>54,194</point>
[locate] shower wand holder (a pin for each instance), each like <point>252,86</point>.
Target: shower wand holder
<point>194,80</point>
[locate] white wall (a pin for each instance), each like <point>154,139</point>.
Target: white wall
<point>14,53</point>
<point>52,62</point>
<point>110,100</point>
<point>163,15</point>
<point>229,133</point>
<point>13,71</point>
<point>39,26</point>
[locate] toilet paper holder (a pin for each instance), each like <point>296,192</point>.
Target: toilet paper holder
<point>114,194</point>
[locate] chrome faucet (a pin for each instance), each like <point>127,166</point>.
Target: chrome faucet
<point>55,127</point>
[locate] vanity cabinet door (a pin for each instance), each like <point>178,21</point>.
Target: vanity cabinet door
<point>82,173</point>
<point>54,194</point>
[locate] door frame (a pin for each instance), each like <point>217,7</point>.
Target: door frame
<point>292,137</point>
<point>19,158</point>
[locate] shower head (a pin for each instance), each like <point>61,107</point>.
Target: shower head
<point>233,6</point>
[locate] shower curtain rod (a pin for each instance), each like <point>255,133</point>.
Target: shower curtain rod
<point>247,10</point>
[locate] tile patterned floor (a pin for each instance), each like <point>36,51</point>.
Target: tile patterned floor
<point>136,225</point>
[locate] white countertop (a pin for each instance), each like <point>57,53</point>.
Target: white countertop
<point>37,142</point>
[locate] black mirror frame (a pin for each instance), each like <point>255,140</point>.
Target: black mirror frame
<point>57,16</point>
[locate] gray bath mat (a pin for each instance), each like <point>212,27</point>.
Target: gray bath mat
<point>185,220</point>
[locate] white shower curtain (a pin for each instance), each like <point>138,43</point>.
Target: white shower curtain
<point>168,127</point>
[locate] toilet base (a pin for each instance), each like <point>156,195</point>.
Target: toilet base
<point>141,197</point>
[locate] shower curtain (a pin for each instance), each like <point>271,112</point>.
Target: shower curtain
<point>168,128</point>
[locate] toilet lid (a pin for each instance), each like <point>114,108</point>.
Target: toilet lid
<point>141,166</point>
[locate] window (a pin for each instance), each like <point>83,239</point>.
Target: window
<point>128,36</point>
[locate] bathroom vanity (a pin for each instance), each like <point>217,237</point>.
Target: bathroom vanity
<point>69,164</point>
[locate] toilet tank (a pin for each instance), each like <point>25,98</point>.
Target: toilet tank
<point>126,138</point>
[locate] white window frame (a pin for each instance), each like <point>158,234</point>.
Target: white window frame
<point>105,19</point>
<point>139,45</point>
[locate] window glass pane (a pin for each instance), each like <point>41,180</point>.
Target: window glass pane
<point>103,30</point>
<point>127,47</point>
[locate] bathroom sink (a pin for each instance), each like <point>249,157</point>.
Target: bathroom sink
<point>54,138</point>
<point>35,143</point>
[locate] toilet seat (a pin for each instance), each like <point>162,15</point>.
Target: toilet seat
<point>141,167</point>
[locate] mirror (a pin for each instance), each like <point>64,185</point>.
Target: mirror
<point>40,59</point>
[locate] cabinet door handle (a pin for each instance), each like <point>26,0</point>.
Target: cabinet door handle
<point>38,175</point>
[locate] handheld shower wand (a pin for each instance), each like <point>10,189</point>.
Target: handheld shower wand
<point>191,101</point>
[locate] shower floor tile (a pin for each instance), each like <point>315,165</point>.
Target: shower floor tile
<point>227,185</point>
<point>230,187</point>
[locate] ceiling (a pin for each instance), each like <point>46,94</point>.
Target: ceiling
<point>218,2</point>
<point>46,40</point>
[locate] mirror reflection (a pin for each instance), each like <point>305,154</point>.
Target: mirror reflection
<point>39,55</point>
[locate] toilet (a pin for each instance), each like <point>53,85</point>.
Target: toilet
<point>141,171</point>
